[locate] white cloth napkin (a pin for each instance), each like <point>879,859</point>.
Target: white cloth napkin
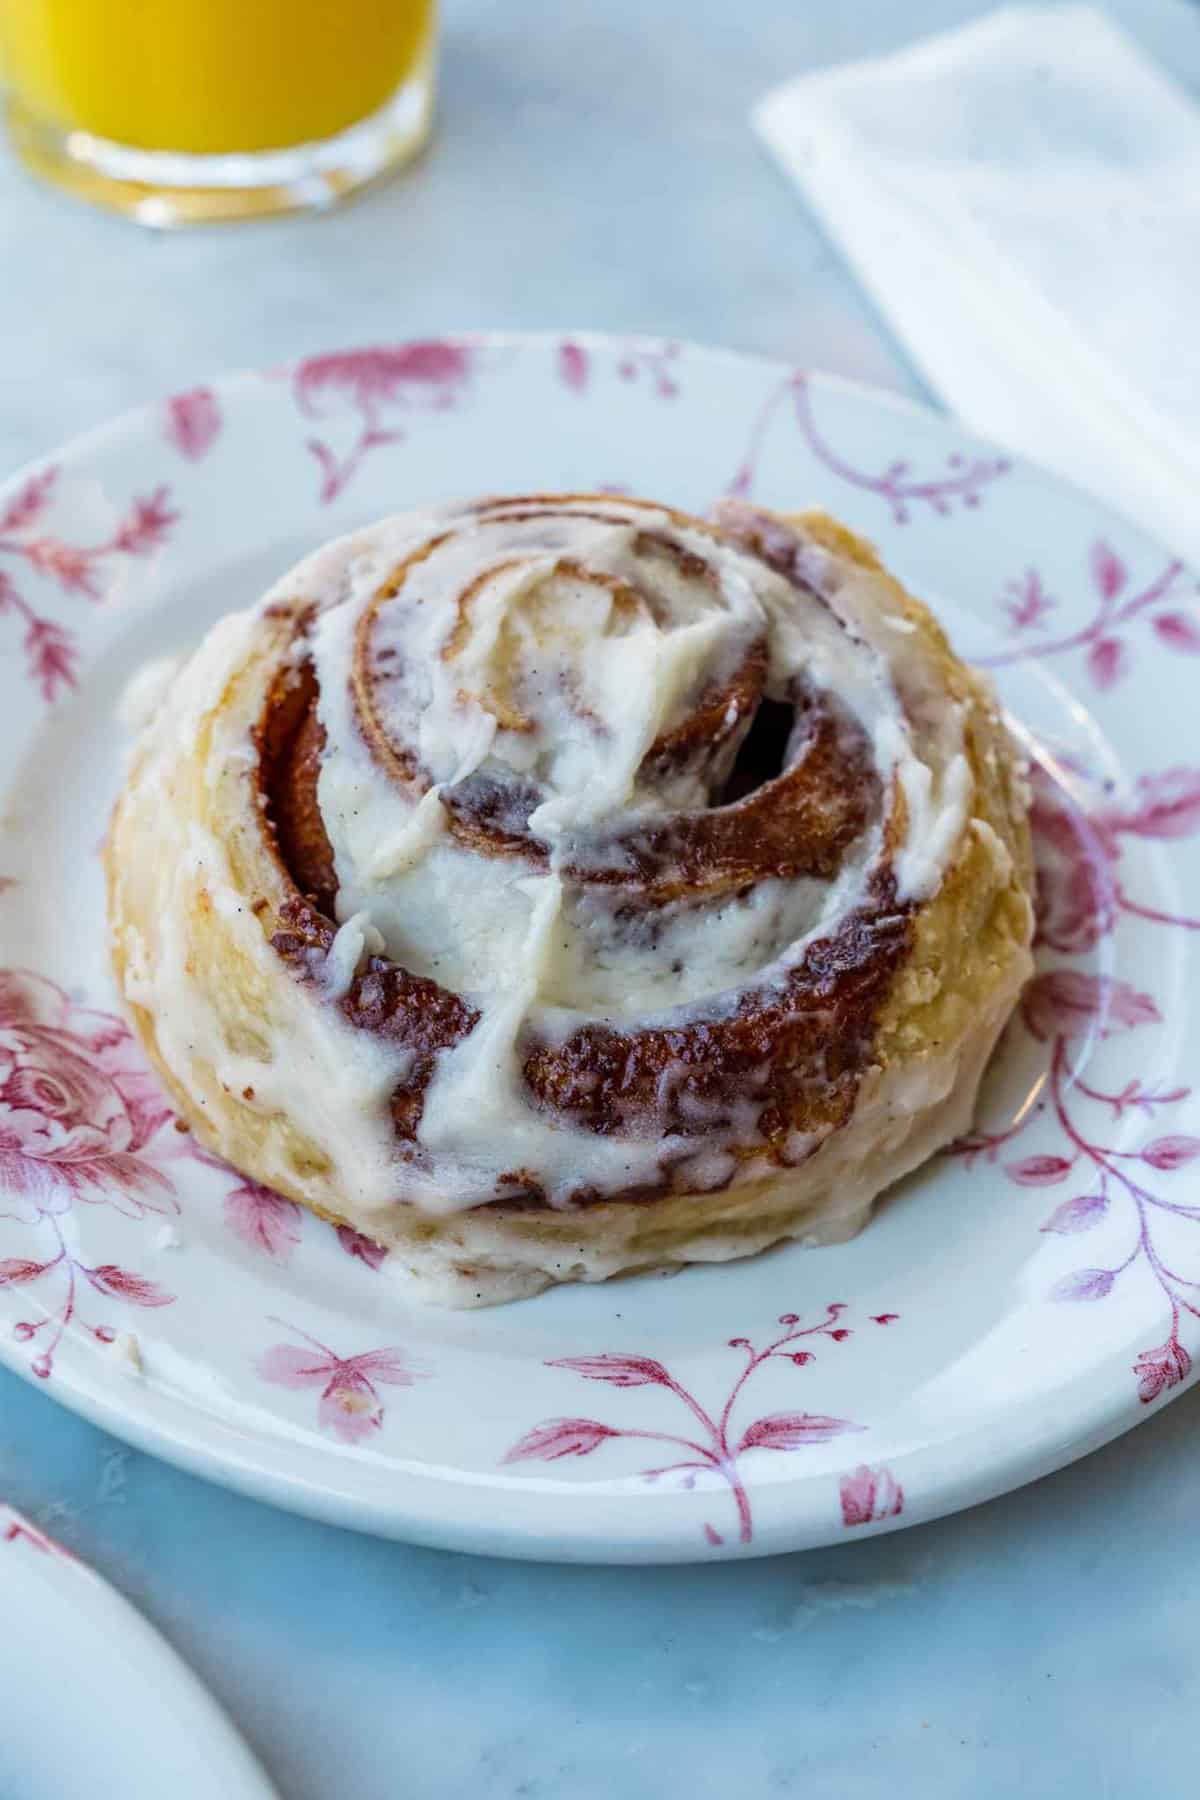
<point>1022,199</point>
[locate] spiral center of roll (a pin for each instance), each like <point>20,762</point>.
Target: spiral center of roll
<point>585,751</point>
<point>549,671</point>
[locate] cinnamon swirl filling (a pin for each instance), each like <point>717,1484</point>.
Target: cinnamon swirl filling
<point>631,809</point>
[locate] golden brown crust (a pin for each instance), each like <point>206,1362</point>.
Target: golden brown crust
<point>884,992</point>
<point>965,936</point>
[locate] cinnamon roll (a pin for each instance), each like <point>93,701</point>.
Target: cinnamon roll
<point>550,886</point>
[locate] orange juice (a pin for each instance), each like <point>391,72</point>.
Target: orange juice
<point>210,76</point>
<point>184,111</point>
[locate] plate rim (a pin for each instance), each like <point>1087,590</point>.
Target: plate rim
<point>185,1436</point>
<point>228,380</point>
<point>187,1705</point>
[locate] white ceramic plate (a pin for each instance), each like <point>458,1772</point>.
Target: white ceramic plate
<point>140,1725</point>
<point>1011,1306</point>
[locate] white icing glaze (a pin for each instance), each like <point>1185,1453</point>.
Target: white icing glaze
<point>903,1117</point>
<point>557,652</point>
<point>553,671</point>
<point>145,691</point>
<point>354,940</point>
<point>337,1080</point>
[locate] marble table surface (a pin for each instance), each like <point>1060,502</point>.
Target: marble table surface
<point>593,168</point>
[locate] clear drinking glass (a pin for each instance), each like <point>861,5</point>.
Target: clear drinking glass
<point>177,111</point>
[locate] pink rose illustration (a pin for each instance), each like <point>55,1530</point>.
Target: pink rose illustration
<point>77,1116</point>
<point>76,1109</point>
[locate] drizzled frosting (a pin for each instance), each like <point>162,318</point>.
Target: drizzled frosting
<point>533,722</point>
<point>554,886</point>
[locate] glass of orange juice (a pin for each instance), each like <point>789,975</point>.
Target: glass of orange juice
<point>178,111</point>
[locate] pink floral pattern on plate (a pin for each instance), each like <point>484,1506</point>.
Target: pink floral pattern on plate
<point>263,1219</point>
<point>1071,1011</point>
<point>16,1529</point>
<point>376,388</point>
<point>350,1405</point>
<point>654,365</point>
<point>1167,603</point>
<point>78,1114</point>
<point>51,652</point>
<point>1080,893</point>
<point>90,1167</point>
<point>273,1225</point>
<point>270,1224</point>
<point>192,422</point>
<point>717,1449</point>
<point>369,1253</point>
<point>868,1495</point>
<point>963,482</point>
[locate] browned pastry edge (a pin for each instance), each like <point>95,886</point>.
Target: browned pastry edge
<point>796,1051</point>
<point>291,740</point>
